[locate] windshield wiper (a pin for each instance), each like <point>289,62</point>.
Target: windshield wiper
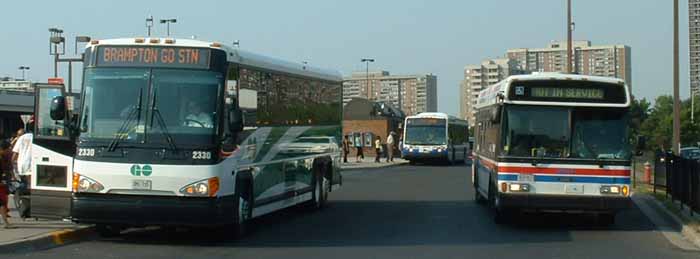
<point>125,125</point>
<point>161,123</point>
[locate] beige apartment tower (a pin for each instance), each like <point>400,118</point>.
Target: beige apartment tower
<point>603,60</point>
<point>413,94</point>
<point>694,46</point>
<point>479,76</point>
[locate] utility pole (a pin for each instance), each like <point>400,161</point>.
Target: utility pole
<point>569,50</point>
<point>676,143</point>
<point>167,24</point>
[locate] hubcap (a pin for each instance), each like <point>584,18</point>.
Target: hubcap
<point>243,208</point>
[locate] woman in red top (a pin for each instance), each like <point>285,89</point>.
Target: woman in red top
<point>5,177</point>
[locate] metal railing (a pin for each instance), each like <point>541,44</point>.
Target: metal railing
<point>680,178</point>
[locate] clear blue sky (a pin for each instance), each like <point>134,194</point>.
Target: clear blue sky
<point>404,36</point>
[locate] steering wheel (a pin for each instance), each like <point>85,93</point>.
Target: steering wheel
<point>187,122</point>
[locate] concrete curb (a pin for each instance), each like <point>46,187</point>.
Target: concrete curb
<point>686,231</point>
<point>48,240</point>
<point>345,169</point>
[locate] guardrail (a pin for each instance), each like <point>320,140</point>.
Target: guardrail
<point>680,178</point>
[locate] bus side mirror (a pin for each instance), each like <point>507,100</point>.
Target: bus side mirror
<point>58,108</point>
<point>641,145</point>
<point>235,119</point>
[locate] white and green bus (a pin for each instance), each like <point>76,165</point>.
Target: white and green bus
<point>176,132</point>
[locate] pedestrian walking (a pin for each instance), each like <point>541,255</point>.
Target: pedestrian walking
<point>390,147</point>
<point>346,149</point>
<point>378,149</point>
<point>360,154</point>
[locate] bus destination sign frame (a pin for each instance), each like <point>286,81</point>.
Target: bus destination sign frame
<point>574,91</point>
<point>153,56</point>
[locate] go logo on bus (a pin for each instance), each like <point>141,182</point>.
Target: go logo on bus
<point>137,170</point>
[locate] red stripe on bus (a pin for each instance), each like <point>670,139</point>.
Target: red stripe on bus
<point>572,171</point>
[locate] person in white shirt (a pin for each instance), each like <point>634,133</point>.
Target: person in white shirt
<point>390,147</point>
<point>196,117</point>
<point>22,156</point>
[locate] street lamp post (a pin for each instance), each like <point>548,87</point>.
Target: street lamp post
<point>57,40</point>
<point>23,68</point>
<point>367,61</point>
<point>167,24</point>
<point>149,24</point>
<point>569,50</point>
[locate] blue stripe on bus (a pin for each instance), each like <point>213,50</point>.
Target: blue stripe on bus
<point>507,177</point>
<point>571,179</point>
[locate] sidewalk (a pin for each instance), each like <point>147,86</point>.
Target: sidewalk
<point>32,234</point>
<point>668,217</point>
<point>368,163</point>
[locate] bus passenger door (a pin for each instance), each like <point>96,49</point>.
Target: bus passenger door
<point>53,149</point>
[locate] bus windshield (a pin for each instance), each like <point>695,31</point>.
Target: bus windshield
<point>600,134</point>
<point>533,131</point>
<point>425,131</point>
<point>147,103</point>
<point>562,132</point>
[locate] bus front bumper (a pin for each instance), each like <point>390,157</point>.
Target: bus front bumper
<point>415,154</point>
<point>564,202</point>
<point>136,210</point>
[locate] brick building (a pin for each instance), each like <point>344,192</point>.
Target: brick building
<point>364,120</point>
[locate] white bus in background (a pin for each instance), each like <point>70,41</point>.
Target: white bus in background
<point>435,137</point>
<point>177,132</point>
<point>553,142</point>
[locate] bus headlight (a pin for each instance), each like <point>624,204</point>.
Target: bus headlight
<point>519,187</point>
<point>204,188</point>
<point>614,189</point>
<point>85,184</point>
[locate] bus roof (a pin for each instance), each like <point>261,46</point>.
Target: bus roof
<point>439,115</point>
<point>490,95</point>
<point>234,55</point>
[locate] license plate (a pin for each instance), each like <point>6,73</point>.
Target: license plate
<point>141,184</point>
<point>574,188</point>
<point>526,178</point>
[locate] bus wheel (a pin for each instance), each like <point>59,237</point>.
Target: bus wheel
<point>606,219</point>
<point>108,230</point>
<point>320,193</point>
<point>411,162</point>
<point>244,208</point>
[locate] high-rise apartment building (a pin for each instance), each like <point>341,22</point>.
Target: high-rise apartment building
<point>479,76</point>
<point>694,47</point>
<point>413,94</point>
<point>604,60</point>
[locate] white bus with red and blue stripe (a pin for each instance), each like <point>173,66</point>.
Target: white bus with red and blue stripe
<point>553,142</point>
<point>434,136</point>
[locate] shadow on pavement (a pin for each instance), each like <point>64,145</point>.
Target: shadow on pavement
<point>393,223</point>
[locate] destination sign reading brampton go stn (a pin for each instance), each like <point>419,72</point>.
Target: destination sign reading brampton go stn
<point>176,57</point>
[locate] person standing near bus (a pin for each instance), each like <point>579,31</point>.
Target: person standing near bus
<point>5,178</point>
<point>346,149</point>
<point>22,155</point>
<point>378,149</point>
<point>390,147</point>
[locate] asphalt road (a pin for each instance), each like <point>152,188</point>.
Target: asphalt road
<point>399,212</point>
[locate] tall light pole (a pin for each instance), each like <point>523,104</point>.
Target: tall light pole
<point>676,143</point>
<point>367,61</point>
<point>569,29</point>
<point>149,24</point>
<point>167,24</point>
<point>23,68</point>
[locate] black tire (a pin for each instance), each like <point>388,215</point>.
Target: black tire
<point>108,230</point>
<point>606,219</point>
<point>319,196</point>
<point>243,207</point>
<point>411,162</point>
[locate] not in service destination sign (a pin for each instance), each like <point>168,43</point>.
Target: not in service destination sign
<point>136,56</point>
<point>568,93</point>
